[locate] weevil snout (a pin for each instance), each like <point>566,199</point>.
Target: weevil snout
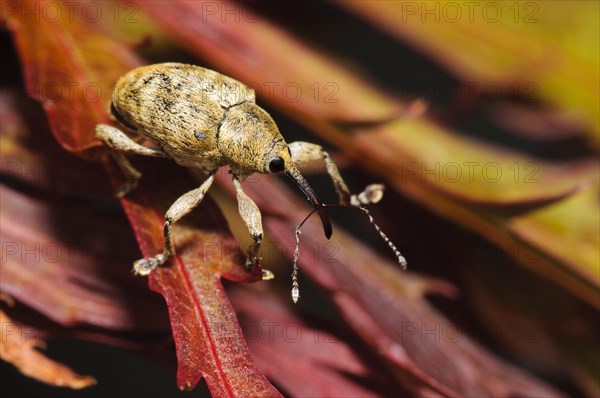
<point>282,161</point>
<point>295,175</point>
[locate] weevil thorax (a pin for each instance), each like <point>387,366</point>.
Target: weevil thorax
<point>250,141</point>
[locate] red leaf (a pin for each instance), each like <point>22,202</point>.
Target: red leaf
<point>69,67</point>
<point>291,351</point>
<point>207,336</point>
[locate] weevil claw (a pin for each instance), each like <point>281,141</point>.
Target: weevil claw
<point>252,262</point>
<point>267,275</point>
<point>144,266</point>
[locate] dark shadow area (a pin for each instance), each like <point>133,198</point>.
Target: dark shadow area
<point>393,66</point>
<point>119,372</point>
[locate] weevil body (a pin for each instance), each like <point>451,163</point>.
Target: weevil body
<point>196,116</point>
<point>203,119</point>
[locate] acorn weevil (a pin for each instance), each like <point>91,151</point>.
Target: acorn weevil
<point>205,120</point>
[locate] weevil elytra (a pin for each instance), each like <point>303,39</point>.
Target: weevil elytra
<point>205,120</point>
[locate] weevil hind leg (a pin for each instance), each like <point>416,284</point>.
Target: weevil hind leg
<point>182,206</point>
<point>132,175</point>
<point>120,143</point>
<point>252,218</point>
<point>307,154</point>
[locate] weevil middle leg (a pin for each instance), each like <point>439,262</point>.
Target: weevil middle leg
<point>182,206</point>
<point>252,218</point>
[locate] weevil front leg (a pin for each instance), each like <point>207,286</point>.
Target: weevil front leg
<point>120,143</point>
<point>252,218</point>
<point>307,154</point>
<point>182,206</point>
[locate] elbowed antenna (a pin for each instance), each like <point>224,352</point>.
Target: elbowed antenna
<point>371,194</point>
<point>295,175</point>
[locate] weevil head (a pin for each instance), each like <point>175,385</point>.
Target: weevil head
<point>250,142</point>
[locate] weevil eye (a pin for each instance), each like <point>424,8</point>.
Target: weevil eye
<point>276,165</point>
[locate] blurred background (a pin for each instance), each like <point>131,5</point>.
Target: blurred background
<point>481,119</point>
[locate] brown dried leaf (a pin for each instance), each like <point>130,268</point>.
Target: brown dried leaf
<point>21,351</point>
